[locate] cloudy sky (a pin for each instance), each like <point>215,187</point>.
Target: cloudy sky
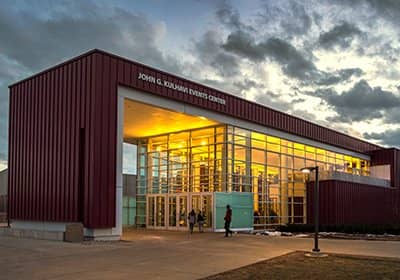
<point>333,62</point>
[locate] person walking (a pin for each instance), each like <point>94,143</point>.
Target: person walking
<point>228,219</point>
<point>200,221</point>
<point>192,220</point>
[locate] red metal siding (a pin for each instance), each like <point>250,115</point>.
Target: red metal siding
<point>47,114</point>
<point>345,203</point>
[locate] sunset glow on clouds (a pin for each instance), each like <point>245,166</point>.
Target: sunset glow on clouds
<point>331,62</point>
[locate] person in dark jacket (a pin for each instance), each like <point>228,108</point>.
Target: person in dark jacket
<point>192,220</point>
<point>200,221</point>
<point>228,219</point>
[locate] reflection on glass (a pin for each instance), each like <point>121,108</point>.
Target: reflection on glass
<point>183,211</point>
<point>160,211</point>
<point>151,216</point>
<point>207,210</point>
<point>172,211</point>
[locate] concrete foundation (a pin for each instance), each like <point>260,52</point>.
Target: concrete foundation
<point>106,234</point>
<point>70,232</point>
<point>34,234</point>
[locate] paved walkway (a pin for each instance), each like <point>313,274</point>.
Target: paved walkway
<point>146,254</point>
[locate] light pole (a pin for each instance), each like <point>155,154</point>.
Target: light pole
<point>316,205</point>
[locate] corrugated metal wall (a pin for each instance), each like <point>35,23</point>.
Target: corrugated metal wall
<point>346,203</point>
<point>54,117</point>
<point>62,138</point>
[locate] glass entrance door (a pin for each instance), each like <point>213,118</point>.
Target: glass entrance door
<point>207,206</point>
<point>203,202</point>
<point>170,211</point>
<point>156,211</point>
<point>177,211</point>
<point>183,211</point>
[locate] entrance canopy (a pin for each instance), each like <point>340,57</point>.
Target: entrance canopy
<point>143,120</point>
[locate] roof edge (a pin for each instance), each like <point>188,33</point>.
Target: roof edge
<point>384,149</point>
<point>75,58</point>
<point>103,52</point>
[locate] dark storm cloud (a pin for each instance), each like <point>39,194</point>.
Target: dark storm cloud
<point>32,43</point>
<point>360,103</point>
<point>339,76</point>
<point>364,96</point>
<point>210,53</point>
<point>339,36</point>
<point>272,100</point>
<point>322,93</point>
<point>389,137</point>
<point>294,64</point>
<point>230,17</point>
<point>290,17</point>
<point>388,10</point>
<point>243,44</point>
<point>300,22</point>
<point>43,42</point>
<point>392,116</point>
<point>247,84</point>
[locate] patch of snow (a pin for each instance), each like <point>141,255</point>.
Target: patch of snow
<point>301,235</point>
<point>272,233</point>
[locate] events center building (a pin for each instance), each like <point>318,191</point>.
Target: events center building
<point>74,126</point>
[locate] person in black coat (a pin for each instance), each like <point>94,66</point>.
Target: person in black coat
<point>192,220</point>
<point>228,219</point>
<point>200,221</point>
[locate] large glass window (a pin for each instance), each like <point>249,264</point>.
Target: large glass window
<point>228,158</point>
<point>188,161</point>
<point>270,168</point>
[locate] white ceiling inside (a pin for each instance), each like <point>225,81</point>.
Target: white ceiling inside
<point>143,120</point>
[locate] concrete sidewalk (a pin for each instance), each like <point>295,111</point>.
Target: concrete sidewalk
<point>161,255</point>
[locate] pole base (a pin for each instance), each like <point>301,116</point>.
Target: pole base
<point>314,254</point>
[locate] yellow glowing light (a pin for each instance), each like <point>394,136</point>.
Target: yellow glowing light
<point>158,149</point>
<point>203,142</point>
<point>143,120</point>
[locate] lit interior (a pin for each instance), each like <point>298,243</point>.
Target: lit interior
<point>142,120</point>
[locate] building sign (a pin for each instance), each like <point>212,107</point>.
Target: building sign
<point>183,89</point>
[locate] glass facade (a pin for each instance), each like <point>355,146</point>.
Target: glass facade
<point>225,158</point>
<point>178,163</point>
